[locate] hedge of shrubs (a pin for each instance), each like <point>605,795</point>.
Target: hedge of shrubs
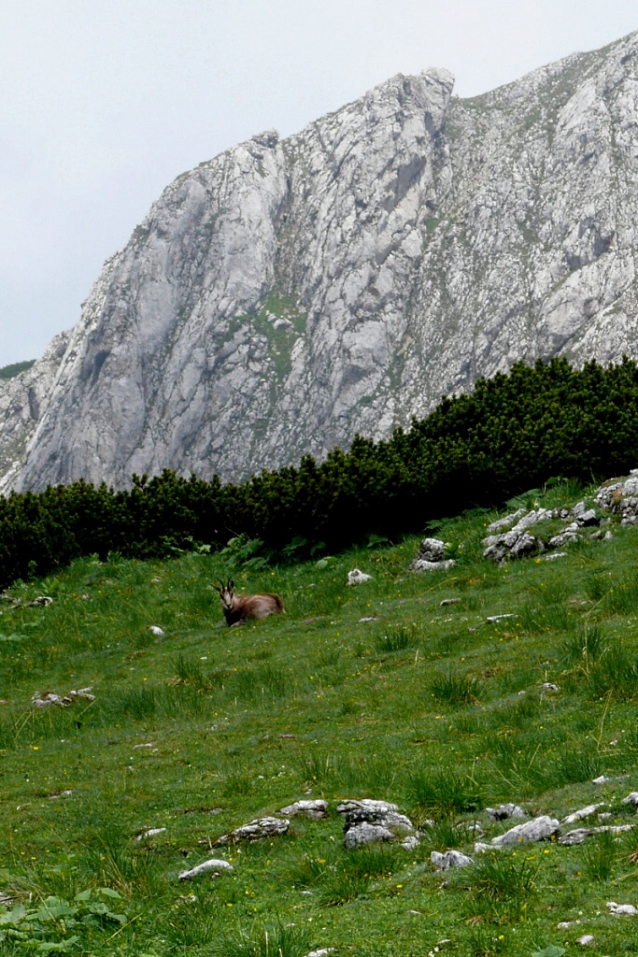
<point>512,433</point>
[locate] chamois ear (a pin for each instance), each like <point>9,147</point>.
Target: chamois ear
<point>230,585</point>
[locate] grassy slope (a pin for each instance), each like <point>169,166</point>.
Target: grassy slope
<point>421,707</point>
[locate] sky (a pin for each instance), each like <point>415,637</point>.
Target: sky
<point>104,102</point>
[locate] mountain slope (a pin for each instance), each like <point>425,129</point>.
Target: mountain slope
<point>288,294</point>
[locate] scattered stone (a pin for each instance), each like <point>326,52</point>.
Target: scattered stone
<point>215,866</point>
<point>430,557</point>
<point>365,833</point>
<point>150,832</point>
<point>505,811</point>
<point>539,829</point>
<point>583,813</point>
<point>495,618</point>
<point>621,910</point>
<point>148,744</point>
<point>411,843</point>
<point>553,556</point>
<point>449,601</point>
<point>631,799</point>
<point>255,830</point>
<point>587,940</point>
<point>367,821</point>
<point>369,618</point>
<point>356,577</point>
<point>505,522</point>
<point>564,924</point>
<point>604,816</point>
<point>444,862</point>
<point>312,809</point>
<point>41,600</point>
<point>585,517</point>
<point>480,847</point>
<point>157,630</point>
<point>580,835</point>
<point>323,952</point>
<point>59,794</point>
<point>44,699</point>
<point>601,780</point>
<point>549,686</point>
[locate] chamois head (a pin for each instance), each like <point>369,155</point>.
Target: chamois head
<point>226,594</point>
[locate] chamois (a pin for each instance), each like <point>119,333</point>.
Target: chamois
<point>237,608</point>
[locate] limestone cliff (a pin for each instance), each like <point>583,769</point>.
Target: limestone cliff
<point>287,294</point>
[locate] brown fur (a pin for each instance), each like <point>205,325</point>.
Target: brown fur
<point>237,608</point>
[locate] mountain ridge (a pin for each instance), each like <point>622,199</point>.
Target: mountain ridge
<point>287,294</point>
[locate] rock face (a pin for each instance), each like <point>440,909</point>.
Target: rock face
<point>287,294</point>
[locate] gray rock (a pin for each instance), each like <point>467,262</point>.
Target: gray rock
<point>621,910</point>
<point>580,835</point>
<point>256,830</point>
<point>419,565</point>
<point>431,550</point>
<point>312,809</point>
<point>356,577</point>
<point>631,799</point>
<point>444,862</point>
<point>505,811</point>
<point>214,866</point>
<point>538,829</point>
<point>587,940</point>
<point>582,813</point>
<point>366,833</point>
<point>492,619</point>
<point>372,820</point>
<point>505,522</point>
<point>150,832</point>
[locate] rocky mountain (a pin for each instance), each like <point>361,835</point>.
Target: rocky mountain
<point>289,293</point>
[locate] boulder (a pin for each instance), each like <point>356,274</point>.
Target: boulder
<point>214,866</point>
<point>256,830</point>
<point>443,862</point>
<point>539,829</point>
<point>312,809</point>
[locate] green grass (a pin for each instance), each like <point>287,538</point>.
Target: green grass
<point>205,728</point>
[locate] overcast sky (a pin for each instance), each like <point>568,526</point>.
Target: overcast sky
<point>104,102</point>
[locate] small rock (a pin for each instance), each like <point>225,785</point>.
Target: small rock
<point>564,924</point>
<point>150,832</point>
<point>582,813</point>
<point>255,830</point>
<point>601,780</point>
<point>411,843</point>
<point>553,556</point>
<point>506,521</point>
<point>549,686</point>
<point>431,550</point>
<point>539,829</point>
<point>356,577</point>
<point>587,940</point>
<point>215,866</point>
<point>148,744</point>
<point>323,952</point>
<point>480,847</point>
<point>420,565</point>
<point>449,601</point>
<point>312,809</point>
<point>369,618</point>
<point>43,600</point>
<point>505,811</point>
<point>365,833</point>
<point>631,799</point>
<point>621,910</point>
<point>157,630</point>
<point>59,794</point>
<point>444,862</point>
<point>579,835</point>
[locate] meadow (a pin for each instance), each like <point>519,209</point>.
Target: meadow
<point>205,728</point>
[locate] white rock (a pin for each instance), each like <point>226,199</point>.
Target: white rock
<point>495,618</point>
<point>504,811</point>
<point>582,813</point>
<point>444,862</point>
<point>621,910</point>
<point>366,833</point>
<point>150,832</point>
<point>538,829</point>
<point>214,865</point>
<point>601,780</point>
<point>256,830</point>
<point>356,577</point>
<point>157,630</point>
<point>631,799</point>
<point>312,809</point>
<point>587,940</point>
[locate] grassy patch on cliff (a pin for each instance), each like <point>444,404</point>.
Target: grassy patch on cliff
<point>205,728</point>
